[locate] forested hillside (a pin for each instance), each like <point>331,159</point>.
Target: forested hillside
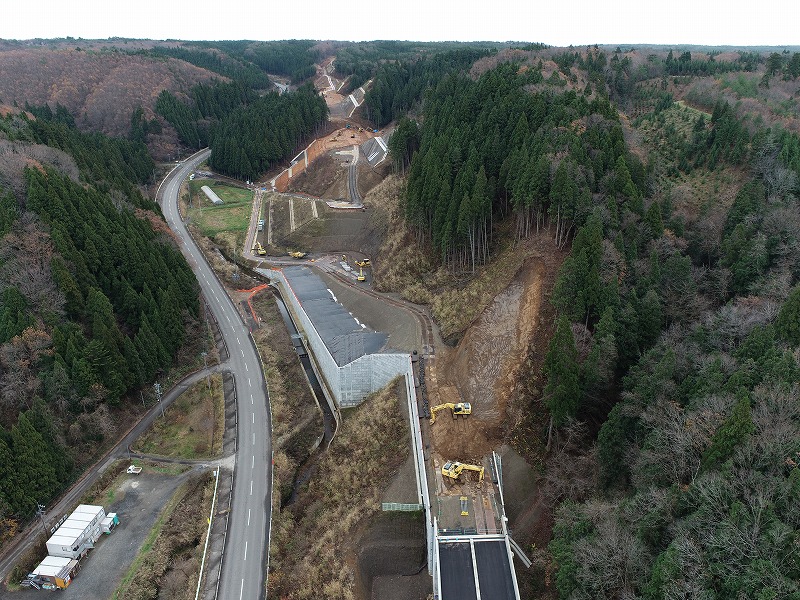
<point>248,134</point>
<point>673,371</point>
<point>94,301</point>
<point>398,86</point>
<point>699,486</point>
<point>252,139</point>
<point>100,87</point>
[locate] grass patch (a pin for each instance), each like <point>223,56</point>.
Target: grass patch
<point>233,215</point>
<point>193,426</point>
<point>168,563</point>
<point>315,537</point>
<point>742,85</point>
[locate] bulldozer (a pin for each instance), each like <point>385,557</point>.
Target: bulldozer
<point>459,408</point>
<point>453,470</point>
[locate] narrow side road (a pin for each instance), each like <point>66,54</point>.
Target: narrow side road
<point>247,540</point>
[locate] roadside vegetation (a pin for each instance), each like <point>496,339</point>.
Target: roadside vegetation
<point>193,425</point>
<point>314,538</point>
<point>296,420</point>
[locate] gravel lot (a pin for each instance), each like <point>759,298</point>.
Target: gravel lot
<point>138,501</point>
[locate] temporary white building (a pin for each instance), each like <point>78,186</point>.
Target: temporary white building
<point>78,533</point>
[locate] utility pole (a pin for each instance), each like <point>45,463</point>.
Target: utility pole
<point>40,514</point>
<point>157,388</point>
<point>204,354</point>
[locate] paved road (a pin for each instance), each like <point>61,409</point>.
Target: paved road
<point>246,545</point>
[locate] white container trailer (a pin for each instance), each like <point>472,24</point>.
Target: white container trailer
<point>78,533</point>
<point>97,512</point>
<point>67,546</point>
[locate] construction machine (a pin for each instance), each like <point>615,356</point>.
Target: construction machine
<point>454,469</point>
<point>364,263</point>
<point>361,276</point>
<point>458,408</point>
<point>296,254</point>
<point>260,249</point>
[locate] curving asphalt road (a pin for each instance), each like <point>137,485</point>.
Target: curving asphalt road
<point>247,540</point>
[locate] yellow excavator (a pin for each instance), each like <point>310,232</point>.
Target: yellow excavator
<point>454,469</point>
<point>260,249</point>
<point>458,408</point>
<point>361,276</point>
<point>364,263</point>
<point>297,254</point>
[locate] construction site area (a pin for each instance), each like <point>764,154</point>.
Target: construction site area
<point>328,212</point>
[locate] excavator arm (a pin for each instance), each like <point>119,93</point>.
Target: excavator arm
<point>459,408</point>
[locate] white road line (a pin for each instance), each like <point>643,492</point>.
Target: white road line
<point>254,438</point>
<point>246,368</point>
<point>242,351</point>
<point>251,398</point>
<point>237,340</point>
<point>251,488</point>
<point>248,517</point>
<point>245,549</point>
<point>253,462</point>
<point>248,383</point>
<point>241,591</point>
<point>254,418</point>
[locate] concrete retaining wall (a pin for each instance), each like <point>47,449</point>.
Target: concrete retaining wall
<point>351,383</point>
<point>281,182</point>
<point>368,374</point>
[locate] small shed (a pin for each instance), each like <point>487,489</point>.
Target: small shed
<point>108,524</point>
<point>56,570</point>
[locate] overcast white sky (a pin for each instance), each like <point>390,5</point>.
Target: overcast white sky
<point>554,22</point>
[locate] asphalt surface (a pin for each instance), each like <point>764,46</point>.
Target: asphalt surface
<point>494,571</point>
<point>137,502</point>
<point>457,573</point>
<point>247,541</point>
